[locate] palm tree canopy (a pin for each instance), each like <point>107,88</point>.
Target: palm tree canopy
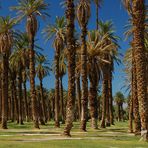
<point>119,98</point>
<point>30,7</point>
<point>6,33</point>
<point>83,12</point>
<point>42,68</point>
<point>57,29</point>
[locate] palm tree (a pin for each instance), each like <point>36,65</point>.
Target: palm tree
<point>58,32</point>
<point>83,15</point>
<point>13,75</point>
<point>6,40</point>
<point>98,4</point>
<point>137,11</point>
<point>62,72</point>
<point>30,9</point>
<point>70,42</point>
<point>94,65</point>
<point>16,62</point>
<point>78,85</point>
<point>119,99</point>
<point>106,28</point>
<point>42,70</point>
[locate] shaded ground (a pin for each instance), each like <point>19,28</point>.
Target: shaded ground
<point>24,136</point>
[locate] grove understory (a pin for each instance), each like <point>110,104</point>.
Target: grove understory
<point>25,136</point>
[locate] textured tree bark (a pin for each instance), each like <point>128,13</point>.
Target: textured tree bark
<point>107,107</point>
<point>70,16</point>
<point>43,106</point>
<point>41,117</point>
<point>5,65</point>
<point>12,101</point>
<point>62,101</point>
<point>78,94</point>
<point>93,94</point>
<point>119,111</point>
<point>32,85</point>
<point>93,105</point>
<point>138,9</point>
<point>20,96</point>
<point>84,99</point>
<point>97,14</point>
<point>137,123</point>
<point>57,88</point>
<point>15,100</point>
<point>110,99</point>
<point>104,96</point>
<point>25,99</point>
<point>131,114</point>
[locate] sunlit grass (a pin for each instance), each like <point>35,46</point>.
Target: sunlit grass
<point>24,136</point>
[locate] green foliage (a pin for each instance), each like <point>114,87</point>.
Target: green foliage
<point>30,7</point>
<point>119,98</point>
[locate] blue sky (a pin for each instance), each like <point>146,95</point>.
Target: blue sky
<point>110,10</point>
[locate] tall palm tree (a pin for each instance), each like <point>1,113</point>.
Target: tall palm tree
<point>95,46</point>
<point>6,40</point>
<point>119,99</point>
<point>83,15</point>
<point>137,11</point>
<point>129,61</point>
<point>16,62</point>
<point>62,72</point>
<point>78,85</point>
<point>70,42</point>
<point>58,32</point>
<point>42,70</point>
<point>30,9</point>
<point>98,4</point>
<point>13,75</point>
<point>106,28</point>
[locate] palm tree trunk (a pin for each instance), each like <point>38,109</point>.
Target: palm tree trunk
<point>20,96</point>
<point>78,94</point>
<point>93,95</point>
<point>12,101</point>
<point>41,117</point>
<point>104,96</point>
<point>97,15</point>
<point>139,49</point>
<point>57,88</point>
<point>5,66</point>
<point>25,99</point>
<point>62,101</point>
<point>131,114</point>
<point>42,100</point>
<point>70,15</point>
<point>93,105</point>
<point>84,99</point>
<point>137,123</point>
<point>119,112</point>
<point>99,108</point>
<point>107,107</point>
<point>110,99</point>
<point>32,84</point>
<point>122,112</point>
<point>15,100</point>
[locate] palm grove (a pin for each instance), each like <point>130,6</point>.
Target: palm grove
<point>87,57</point>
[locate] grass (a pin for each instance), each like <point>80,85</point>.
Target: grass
<point>24,136</point>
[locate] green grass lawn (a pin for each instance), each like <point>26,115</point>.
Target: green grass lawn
<point>24,136</point>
